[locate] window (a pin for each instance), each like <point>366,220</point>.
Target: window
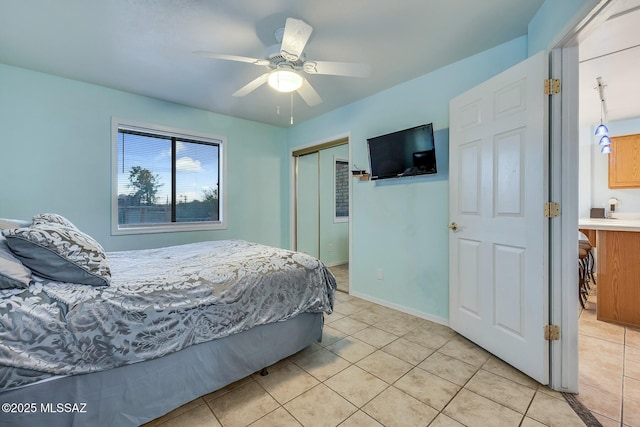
<point>341,190</point>
<point>166,180</point>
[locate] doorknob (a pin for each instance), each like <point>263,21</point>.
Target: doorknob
<point>453,226</point>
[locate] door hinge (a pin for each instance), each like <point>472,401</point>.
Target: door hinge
<point>551,209</point>
<point>552,332</point>
<point>551,86</point>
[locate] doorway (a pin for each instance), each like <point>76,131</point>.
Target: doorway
<point>321,205</point>
<point>571,185</point>
<point>608,378</point>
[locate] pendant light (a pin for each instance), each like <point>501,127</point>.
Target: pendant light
<point>602,130</point>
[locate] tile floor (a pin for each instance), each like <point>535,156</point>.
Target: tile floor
<point>380,367</point>
<point>341,272</point>
<point>609,368</point>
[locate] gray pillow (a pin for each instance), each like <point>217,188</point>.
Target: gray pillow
<point>13,274</point>
<point>53,219</point>
<point>60,253</point>
<point>13,223</point>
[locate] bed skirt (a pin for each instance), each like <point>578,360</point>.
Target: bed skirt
<point>134,394</point>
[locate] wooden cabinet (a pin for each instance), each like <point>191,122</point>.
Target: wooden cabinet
<point>624,162</point>
<point>619,277</point>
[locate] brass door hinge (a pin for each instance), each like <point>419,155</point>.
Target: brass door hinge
<point>551,86</point>
<point>552,332</point>
<point>551,209</point>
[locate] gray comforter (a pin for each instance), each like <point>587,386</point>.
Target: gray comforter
<point>159,301</point>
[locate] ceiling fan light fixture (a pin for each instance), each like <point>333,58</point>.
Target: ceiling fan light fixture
<point>285,80</point>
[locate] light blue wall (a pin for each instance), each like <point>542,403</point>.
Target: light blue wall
<point>594,171</point>
<point>400,226</point>
<point>553,20</point>
<point>56,157</point>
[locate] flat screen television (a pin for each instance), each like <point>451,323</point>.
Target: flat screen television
<point>408,152</point>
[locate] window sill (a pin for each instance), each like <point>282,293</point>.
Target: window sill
<point>167,228</point>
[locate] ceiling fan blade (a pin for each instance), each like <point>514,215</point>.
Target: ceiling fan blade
<point>255,61</point>
<point>252,85</point>
<point>296,35</point>
<point>309,94</point>
<point>348,69</point>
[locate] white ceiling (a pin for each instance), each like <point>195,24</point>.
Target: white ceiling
<point>145,46</point>
<point>612,52</point>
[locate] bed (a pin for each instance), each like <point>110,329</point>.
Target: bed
<point>121,338</point>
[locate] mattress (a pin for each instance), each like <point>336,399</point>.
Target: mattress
<point>160,301</point>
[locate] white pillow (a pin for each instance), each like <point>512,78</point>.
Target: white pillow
<point>53,219</point>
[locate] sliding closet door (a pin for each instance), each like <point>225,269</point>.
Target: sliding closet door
<point>308,205</point>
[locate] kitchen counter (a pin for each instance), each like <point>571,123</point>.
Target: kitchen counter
<point>612,224</point>
<point>618,268</point>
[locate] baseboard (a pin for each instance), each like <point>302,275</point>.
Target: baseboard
<point>411,311</point>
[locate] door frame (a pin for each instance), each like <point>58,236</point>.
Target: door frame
<point>563,306</point>
<point>293,179</point>
<point>564,137</point>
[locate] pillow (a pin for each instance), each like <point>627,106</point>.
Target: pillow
<point>53,219</point>
<point>13,223</point>
<point>60,253</point>
<point>13,274</point>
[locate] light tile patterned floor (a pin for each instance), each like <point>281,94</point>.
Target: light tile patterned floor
<point>341,273</point>
<point>609,368</point>
<point>380,367</point>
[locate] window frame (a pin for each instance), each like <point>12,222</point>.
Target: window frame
<point>345,218</point>
<point>116,125</point>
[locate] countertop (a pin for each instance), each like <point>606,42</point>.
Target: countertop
<point>622,223</point>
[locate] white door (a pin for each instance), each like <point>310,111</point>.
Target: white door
<point>499,287</point>
<point>308,205</point>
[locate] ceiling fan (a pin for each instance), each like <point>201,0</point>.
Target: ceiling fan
<point>286,63</point>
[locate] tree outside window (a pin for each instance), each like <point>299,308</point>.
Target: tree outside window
<point>166,179</point>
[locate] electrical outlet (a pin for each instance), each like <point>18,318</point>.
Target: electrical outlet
<point>330,247</point>
<point>380,274</point>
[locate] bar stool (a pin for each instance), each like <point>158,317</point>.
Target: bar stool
<point>587,262</point>
<point>583,292</point>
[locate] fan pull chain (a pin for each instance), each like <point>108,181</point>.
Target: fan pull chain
<point>291,107</point>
